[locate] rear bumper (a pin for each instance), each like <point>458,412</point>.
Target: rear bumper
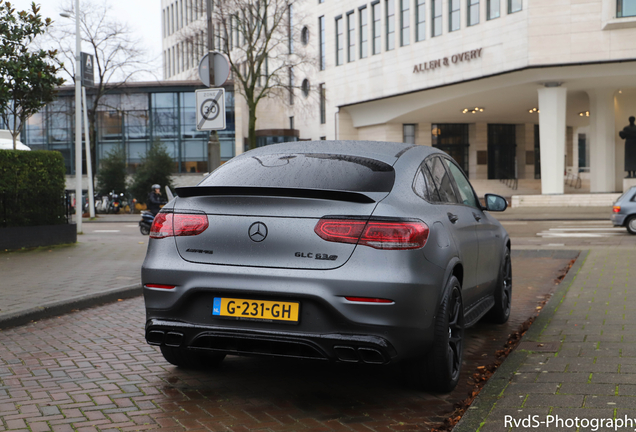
<point>618,219</point>
<point>327,320</point>
<point>330,347</point>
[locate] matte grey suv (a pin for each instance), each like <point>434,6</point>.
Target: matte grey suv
<point>342,251</point>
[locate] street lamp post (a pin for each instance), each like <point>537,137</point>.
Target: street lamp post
<point>78,119</point>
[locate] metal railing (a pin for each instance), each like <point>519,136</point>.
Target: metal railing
<point>573,180</point>
<point>512,183</point>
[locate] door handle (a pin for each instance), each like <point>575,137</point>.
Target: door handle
<point>477,217</point>
<point>453,218</point>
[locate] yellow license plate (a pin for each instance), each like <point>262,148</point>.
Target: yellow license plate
<point>256,309</point>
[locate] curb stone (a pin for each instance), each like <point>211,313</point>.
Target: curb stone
<point>484,403</point>
<point>65,306</point>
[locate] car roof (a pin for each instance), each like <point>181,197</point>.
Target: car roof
<point>388,152</point>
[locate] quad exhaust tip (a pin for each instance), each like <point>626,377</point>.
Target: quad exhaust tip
<point>349,354</point>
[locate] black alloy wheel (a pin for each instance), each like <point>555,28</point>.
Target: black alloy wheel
<point>500,312</point>
<point>439,369</point>
<point>455,335</point>
<point>144,229</point>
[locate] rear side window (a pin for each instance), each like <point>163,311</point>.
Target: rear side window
<point>424,185</point>
<point>442,180</point>
<point>305,171</point>
<point>465,190</point>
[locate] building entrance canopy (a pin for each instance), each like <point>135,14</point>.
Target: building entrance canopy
<point>594,99</point>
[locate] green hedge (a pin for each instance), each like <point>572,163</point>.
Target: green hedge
<point>31,188</point>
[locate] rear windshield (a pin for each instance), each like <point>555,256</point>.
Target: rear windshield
<point>627,194</point>
<point>305,171</point>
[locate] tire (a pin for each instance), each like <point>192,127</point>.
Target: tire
<point>145,230</point>
<point>191,359</point>
<point>500,312</point>
<point>440,368</point>
<point>630,224</point>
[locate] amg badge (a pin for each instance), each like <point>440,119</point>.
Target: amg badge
<point>201,251</point>
<point>318,256</point>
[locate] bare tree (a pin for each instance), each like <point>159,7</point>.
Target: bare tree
<point>118,55</point>
<point>261,39</point>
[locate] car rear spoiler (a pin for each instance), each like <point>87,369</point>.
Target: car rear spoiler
<point>334,195</point>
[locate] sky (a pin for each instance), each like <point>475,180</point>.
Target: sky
<point>143,17</point>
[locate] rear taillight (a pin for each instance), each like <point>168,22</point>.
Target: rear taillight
<point>378,234</point>
<point>178,224</point>
<point>616,209</point>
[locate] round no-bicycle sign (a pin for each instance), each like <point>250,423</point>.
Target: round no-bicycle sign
<point>210,109</point>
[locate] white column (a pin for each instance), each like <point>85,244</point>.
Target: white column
<point>552,104</point>
<point>602,140</point>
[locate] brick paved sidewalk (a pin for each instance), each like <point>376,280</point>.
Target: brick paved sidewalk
<point>104,265</point>
<point>577,360</point>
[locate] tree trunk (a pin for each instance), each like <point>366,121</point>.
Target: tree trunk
<point>252,126</point>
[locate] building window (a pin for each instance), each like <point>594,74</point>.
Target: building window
<point>291,122</point>
<point>405,22</point>
<point>514,6</point>
<point>364,33</point>
<point>420,20</point>
<point>171,18</point>
<point>305,87</point>
<point>453,18</point>
<point>473,12</point>
<point>377,28</point>
<point>163,23</point>
<point>290,17</point>
<point>408,132</point>
<point>323,103</point>
<point>625,8</point>
<point>436,13</point>
<point>339,41</point>
<point>291,86</point>
<point>304,35</point>
<point>390,24</point>
<point>492,9</point>
<point>181,12</point>
<point>351,36</point>
<point>321,42</point>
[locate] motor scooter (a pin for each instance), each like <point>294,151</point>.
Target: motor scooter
<point>146,222</point>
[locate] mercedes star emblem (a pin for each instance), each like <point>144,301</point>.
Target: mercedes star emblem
<point>258,231</point>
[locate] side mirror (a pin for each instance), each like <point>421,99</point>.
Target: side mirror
<point>495,203</point>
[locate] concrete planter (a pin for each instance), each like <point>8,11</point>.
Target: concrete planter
<point>35,236</point>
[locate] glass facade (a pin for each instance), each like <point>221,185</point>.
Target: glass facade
<point>133,118</point>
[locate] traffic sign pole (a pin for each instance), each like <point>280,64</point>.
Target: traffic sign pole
<point>214,146</point>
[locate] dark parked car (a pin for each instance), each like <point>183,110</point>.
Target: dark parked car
<point>343,251</point>
<point>624,211</point>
